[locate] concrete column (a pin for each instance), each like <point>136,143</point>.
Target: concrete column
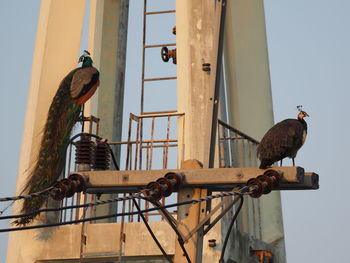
<point>56,53</point>
<point>196,42</point>
<point>107,42</point>
<point>197,24</point>
<point>250,103</point>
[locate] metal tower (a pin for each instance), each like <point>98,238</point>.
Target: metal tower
<point>222,82</point>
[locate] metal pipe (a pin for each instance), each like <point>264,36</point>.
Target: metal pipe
<point>238,132</point>
<point>160,45</point>
<point>160,12</point>
<point>157,79</point>
<point>217,86</point>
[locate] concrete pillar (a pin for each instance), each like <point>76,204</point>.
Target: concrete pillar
<point>197,24</point>
<point>56,53</point>
<point>107,42</point>
<point>196,42</point>
<point>250,104</point>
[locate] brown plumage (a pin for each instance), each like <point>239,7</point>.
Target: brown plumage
<point>84,84</point>
<point>75,89</point>
<point>283,140</point>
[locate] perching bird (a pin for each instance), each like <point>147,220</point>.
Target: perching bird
<point>74,90</point>
<point>283,140</point>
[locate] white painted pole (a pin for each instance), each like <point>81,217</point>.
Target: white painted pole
<point>56,53</point>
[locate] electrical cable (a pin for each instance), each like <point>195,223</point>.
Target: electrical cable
<point>179,236</point>
<point>151,232</point>
<point>55,209</point>
<point>113,157</point>
<point>28,196</point>
<point>7,207</point>
<point>47,190</point>
<point>221,260</point>
<point>207,198</point>
<point>217,219</point>
<point>118,199</point>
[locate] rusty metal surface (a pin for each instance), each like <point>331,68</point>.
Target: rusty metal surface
<point>143,55</point>
<point>145,46</point>
<point>167,54</point>
<point>160,12</point>
<point>158,79</point>
<point>143,137</point>
<point>160,114</point>
<point>265,256</point>
<point>160,45</point>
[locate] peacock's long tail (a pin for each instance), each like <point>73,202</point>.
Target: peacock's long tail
<point>62,116</point>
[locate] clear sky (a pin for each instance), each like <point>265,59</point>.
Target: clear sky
<point>309,56</point>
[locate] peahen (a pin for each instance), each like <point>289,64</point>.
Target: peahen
<point>74,90</point>
<point>283,140</point>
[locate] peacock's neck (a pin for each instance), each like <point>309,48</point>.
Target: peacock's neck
<point>87,62</point>
<point>303,122</point>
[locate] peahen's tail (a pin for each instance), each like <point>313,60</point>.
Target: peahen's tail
<point>62,116</point>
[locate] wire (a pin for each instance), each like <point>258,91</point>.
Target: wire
<point>212,224</point>
<point>7,207</point>
<point>47,190</point>
<point>101,202</point>
<point>113,157</point>
<point>179,236</point>
<point>28,196</point>
<point>151,232</point>
<point>43,192</point>
<point>221,260</point>
<point>207,198</point>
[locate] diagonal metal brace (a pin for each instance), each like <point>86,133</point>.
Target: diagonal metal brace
<point>209,215</point>
<point>166,215</point>
<point>171,222</point>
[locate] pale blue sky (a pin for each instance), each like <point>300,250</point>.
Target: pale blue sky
<point>309,63</point>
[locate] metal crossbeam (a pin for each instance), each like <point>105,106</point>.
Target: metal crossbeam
<point>215,179</point>
<point>160,45</point>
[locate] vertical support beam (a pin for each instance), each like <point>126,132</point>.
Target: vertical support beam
<point>250,106</point>
<point>107,42</point>
<point>56,52</point>
<point>190,216</point>
<point>247,68</point>
<point>218,80</point>
<point>197,35</point>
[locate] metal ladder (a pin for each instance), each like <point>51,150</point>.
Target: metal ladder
<point>144,47</point>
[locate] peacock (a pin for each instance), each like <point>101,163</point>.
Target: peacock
<point>74,90</point>
<point>283,140</point>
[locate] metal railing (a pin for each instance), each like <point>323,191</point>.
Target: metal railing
<point>151,144</point>
<point>236,149</point>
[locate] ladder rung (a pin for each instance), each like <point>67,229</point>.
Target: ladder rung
<point>160,12</point>
<point>160,114</point>
<point>158,146</point>
<point>144,141</point>
<point>160,45</point>
<point>157,79</point>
